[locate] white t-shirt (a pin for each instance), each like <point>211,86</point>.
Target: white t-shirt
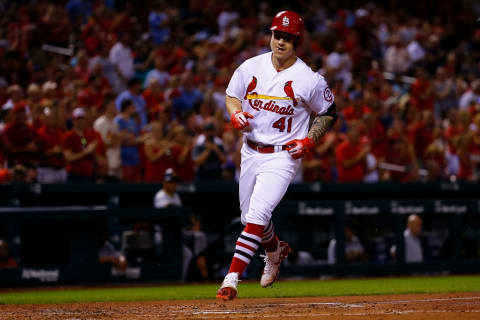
<point>413,247</point>
<point>107,127</point>
<point>122,57</point>
<point>415,51</point>
<point>162,199</point>
<point>154,74</point>
<point>281,102</point>
<point>335,59</point>
<point>350,246</point>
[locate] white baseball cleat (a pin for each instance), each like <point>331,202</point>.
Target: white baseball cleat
<point>272,263</point>
<point>228,290</point>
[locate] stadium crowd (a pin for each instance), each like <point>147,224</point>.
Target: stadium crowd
<point>122,90</point>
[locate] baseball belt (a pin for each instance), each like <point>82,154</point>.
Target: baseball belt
<point>265,148</point>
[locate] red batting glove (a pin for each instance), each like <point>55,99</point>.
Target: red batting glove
<point>298,148</point>
<point>239,119</point>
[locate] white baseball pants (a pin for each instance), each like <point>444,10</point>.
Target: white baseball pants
<point>264,179</point>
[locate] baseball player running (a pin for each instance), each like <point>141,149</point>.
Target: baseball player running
<point>270,98</point>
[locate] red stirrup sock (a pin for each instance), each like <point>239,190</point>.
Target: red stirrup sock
<point>247,245</point>
<point>269,239</point>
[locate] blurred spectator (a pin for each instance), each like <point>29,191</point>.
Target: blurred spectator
<point>232,147</point>
<point>444,88</point>
<point>339,65</point>
<point>17,174</point>
<point>133,93</point>
<point>396,56</point>
<point>158,73</point>
<point>413,244</point>
<point>357,109</point>
<point>299,258</point>
<point>375,132</point>
<point>168,196</point>
<point>209,154</point>
<point>354,250</point>
<point>50,139</point>
<point>6,117</point>
<point>108,254</point>
<point>317,165</point>
<point>108,68</point>
<point>402,156</point>
<point>158,154</point>
<point>415,49</point>
<point>422,95</point>
<point>5,260</point>
<point>472,94</point>
<point>79,148</point>
<point>181,149</point>
<point>15,96</point>
<point>78,11</point>
<point>130,137</point>
<point>434,161</point>
<point>108,128</point>
<point>462,143</point>
<point>420,133</point>
<point>20,139</point>
<point>121,56</point>
<point>189,98</point>
<point>350,156</point>
<point>158,21</point>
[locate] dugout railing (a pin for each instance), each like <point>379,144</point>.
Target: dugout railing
<point>309,217</point>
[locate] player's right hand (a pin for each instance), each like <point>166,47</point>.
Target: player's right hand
<point>239,119</point>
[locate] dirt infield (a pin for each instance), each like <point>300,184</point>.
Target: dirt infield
<point>462,306</point>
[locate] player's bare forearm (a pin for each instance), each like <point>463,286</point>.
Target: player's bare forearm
<point>233,104</point>
<point>320,126</point>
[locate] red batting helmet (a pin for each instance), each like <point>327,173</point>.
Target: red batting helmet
<point>289,22</point>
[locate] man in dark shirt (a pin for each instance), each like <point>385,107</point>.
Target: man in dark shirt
<point>208,154</point>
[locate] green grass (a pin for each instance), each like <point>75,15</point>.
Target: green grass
<point>252,290</point>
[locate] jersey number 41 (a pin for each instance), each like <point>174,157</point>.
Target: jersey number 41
<point>280,124</point>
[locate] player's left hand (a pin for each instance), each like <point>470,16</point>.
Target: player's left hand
<point>297,148</point>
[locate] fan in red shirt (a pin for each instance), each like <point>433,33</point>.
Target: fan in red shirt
<point>316,165</point>
<point>181,150</point>
<point>79,147</point>
<point>453,130</point>
<point>434,162</point>
<point>357,110</point>
<point>158,155</point>
<point>50,140</point>
<point>351,157</point>
<point>422,91</point>
<point>19,139</point>
<point>462,143</point>
<point>402,154</point>
<point>154,98</point>
<point>421,132</point>
<point>375,131</point>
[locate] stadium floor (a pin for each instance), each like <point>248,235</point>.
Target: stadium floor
<point>463,306</point>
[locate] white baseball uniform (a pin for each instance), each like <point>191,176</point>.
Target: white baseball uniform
<point>281,103</point>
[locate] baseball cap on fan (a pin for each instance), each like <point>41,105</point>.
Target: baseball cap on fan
<point>78,113</point>
<point>170,176</point>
